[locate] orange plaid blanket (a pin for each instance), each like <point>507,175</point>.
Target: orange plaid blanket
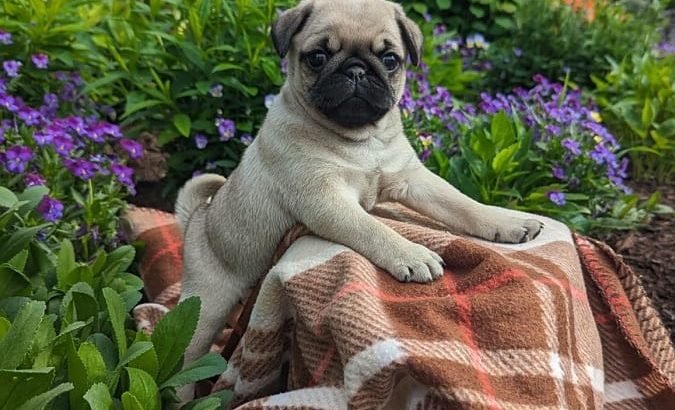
<point>557,323</point>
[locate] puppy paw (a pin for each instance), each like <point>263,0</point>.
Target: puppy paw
<point>415,263</point>
<point>516,230</point>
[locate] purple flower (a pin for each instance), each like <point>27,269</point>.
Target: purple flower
<point>12,67</point>
<point>553,129</point>
<point>12,104</point>
<point>439,29</point>
<point>33,178</point>
<point>29,116</point>
<point>61,76</point>
<point>518,52</point>
<point>133,148</point>
<point>557,197</point>
<point>201,141</point>
<point>16,158</point>
<point>5,38</point>
<point>574,147</point>
<point>558,173</point>
<point>226,128</point>
<point>246,139</point>
<point>123,174</point>
<point>602,155</point>
<point>99,130</point>
<point>216,90</point>
<point>426,153</point>
<point>68,92</point>
<point>50,209</point>
<point>63,144</point>
<point>81,168</point>
<point>427,17</point>
<point>40,60</point>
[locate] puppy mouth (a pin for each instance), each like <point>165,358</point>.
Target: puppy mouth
<point>352,104</point>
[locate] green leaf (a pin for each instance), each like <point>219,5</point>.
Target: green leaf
<point>120,259</point>
<point>143,387</point>
<point>477,11</point>
<point>79,304</point>
<point>12,282</point>
<point>135,351</point>
<point>41,401</point>
<point>209,365</point>
<point>648,114</point>
<point>117,315</point>
<point>99,397</point>
<point>106,347</point>
<point>66,263</point>
<point>77,374</point>
<point>19,386</point>
<point>501,130</point>
<point>207,403</point>
<point>148,362</point>
<point>7,198</point>
<point>130,402</point>
<point>32,195</point>
<point>443,4</point>
<point>93,362</point>
<point>182,124</point>
<point>226,67</point>
<point>18,242</point>
<point>4,326</point>
<point>18,262</point>
<point>502,160</point>
<point>17,341</point>
<point>667,128</point>
<point>172,335</point>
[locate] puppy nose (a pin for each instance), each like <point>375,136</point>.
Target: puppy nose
<point>355,69</point>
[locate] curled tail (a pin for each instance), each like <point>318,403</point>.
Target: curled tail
<point>195,192</point>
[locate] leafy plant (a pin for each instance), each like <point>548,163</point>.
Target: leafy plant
<point>540,150</point>
<point>64,328</point>
<point>638,101</point>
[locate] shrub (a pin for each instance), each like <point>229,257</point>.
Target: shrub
<point>64,327</point>
<point>638,101</point>
<point>555,40</point>
<point>540,150</point>
<point>71,163</point>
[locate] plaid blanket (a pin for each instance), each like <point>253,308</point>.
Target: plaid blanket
<point>557,323</point>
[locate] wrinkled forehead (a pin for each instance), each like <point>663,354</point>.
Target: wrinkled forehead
<point>351,25</point>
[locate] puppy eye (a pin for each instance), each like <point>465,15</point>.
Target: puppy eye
<point>390,61</point>
<point>316,59</point>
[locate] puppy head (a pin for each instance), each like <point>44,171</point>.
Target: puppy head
<point>347,58</point>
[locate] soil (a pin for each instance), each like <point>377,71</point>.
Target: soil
<point>650,251</point>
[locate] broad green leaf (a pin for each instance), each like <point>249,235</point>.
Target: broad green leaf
<point>130,402</point>
<point>77,374</point>
<point>81,273</point>
<point>173,333</point>
<point>103,81</point>
<point>211,364</point>
<point>648,114</point>
<point>117,315</point>
<point>135,351</point>
<point>66,262</point>
<point>99,397</point>
<point>106,347</point>
<point>141,105</point>
<point>19,386</point>
<point>32,195</point>
<point>143,387</point>
<point>12,282</point>
<point>41,401</point>
<point>18,242</point>
<point>79,304</point>
<point>18,262</point>
<point>477,11</point>
<point>226,67</point>
<point>501,130</point>
<point>120,259</point>
<point>4,326</point>
<point>147,361</point>
<point>183,124</point>
<point>7,198</point>
<point>667,128</point>
<point>93,362</point>
<point>70,328</point>
<point>443,4</point>
<point>18,339</point>
<point>501,161</point>
<point>43,342</point>
<point>208,403</point>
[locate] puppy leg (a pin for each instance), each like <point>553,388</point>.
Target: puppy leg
<point>426,192</point>
<point>337,216</point>
<point>219,291</point>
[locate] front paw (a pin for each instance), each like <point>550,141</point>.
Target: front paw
<point>414,263</point>
<point>516,230</point>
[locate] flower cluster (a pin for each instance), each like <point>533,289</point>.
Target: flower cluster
<point>567,134</point>
<point>37,142</point>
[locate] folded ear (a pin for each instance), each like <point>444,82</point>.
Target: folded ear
<point>288,25</point>
<point>412,37</point>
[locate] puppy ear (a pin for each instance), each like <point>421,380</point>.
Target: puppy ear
<point>288,24</point>
<point>412,37</point>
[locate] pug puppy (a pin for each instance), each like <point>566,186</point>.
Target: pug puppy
<point>331,147</point>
